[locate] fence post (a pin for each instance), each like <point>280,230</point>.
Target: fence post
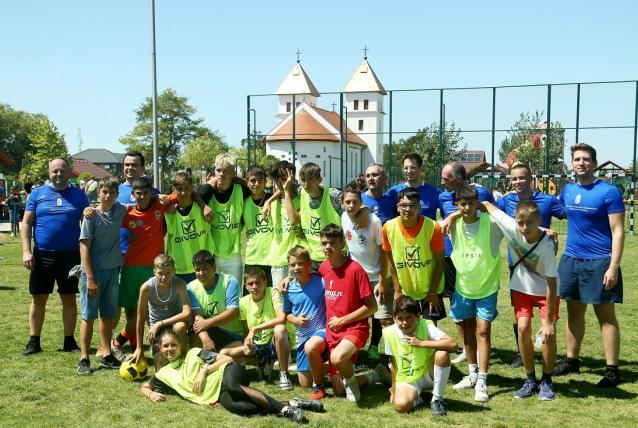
<point>341,136</point>
<point>390,156</point>
<point>248,126</point>
<point>493,135</point>
<point>577,112</point>
<point>294,130</point>
<point>632,197</point>
<point>439,169</point>
<point>548,141</point>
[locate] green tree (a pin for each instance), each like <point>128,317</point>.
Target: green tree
<point>200,152</point>
<point>258,154</point>
<point>176,127</point>
<point>15,127</point>
<point>426,143</point>
<point>526,141</point>
<point>46,144</point>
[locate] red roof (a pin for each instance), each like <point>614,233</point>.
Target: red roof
<point>6,159</point>
<point>82,165</point>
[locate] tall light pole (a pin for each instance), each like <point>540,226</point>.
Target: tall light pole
<point>156,177</point>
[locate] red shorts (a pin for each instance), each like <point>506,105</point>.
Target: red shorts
<point>524,305</point>
<point>351,336</point>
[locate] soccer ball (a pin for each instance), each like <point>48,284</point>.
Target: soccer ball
<point>131,372</point>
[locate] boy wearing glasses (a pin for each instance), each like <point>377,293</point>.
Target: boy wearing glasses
<point>415,249</point>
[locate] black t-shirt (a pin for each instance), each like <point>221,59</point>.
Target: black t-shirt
<point>206,192</point>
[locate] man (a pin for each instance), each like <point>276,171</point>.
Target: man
<point>429,195</point>
<point>381,204</point>
<point>52,217</point>
<point>549,206</point>
<point>590,266</point>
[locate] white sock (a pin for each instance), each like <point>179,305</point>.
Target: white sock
<point>473,369</point>
<point>482,376</point>
<point>441,376</point>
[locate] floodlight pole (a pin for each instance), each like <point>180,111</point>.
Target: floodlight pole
<point>156,177</point>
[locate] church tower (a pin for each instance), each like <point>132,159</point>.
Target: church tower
<point>364,95</point>
<point>298,83</point>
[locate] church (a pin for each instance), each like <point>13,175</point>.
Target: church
<point>317,132</point>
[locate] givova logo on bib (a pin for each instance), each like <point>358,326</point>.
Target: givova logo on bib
<point>413,258</point>
<point>223,221</point>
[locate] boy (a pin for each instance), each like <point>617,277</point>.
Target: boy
<point>420,359</point>
<point>215,304</point>
<point>533,283</point>
<point>268,335</point>
<point>164,304</point>
<point>476,257</point>
<point>349,304</point>
<point>415,248</point>
<point>365,248</point>
<point>187,231</point>
<point>101,261</point>
<point>305,308</point>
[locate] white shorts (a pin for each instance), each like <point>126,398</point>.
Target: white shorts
<point>232,266</point>
<point>424,383</point>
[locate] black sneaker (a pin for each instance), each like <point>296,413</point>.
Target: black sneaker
<point>311,405</point>
<point>517,362</point>
<point>110,362</point>
<point>70,345</point>
<point>610,379</point>
<point>84,367</point>
<point>565,367</point>
<point>438,407</point>
<point>32,348</point>
<point>295,414</point>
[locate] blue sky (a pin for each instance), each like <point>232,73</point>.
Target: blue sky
<point>88,65</point>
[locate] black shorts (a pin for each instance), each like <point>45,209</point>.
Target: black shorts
<point>450,278</point>
<point>435,316</point>
<point>51,267</point>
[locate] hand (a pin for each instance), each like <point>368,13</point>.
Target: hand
<point>362,217</point>
<point>301,320</point>
<point>283,285</point>
<point>290,181</point>
<point>152,331</point>
<point>208,214</point>
<point>611,278</point>
<point>28,260</point>
<point>265,209</point>
<point>445,226</point>
<point>92,287</point>
<point>248,343</point>
<point>397,293</point>
<point>200,325</point>
<point>335,323</point>
<point>136,356</point>
<point>435,303</point>
<point>89,212</point>
<point>415,341</point>
<point>156,396</point>
<point>200,379</point>
<point>163,199</point>
<point>171,209</point>
<point>549,331</point>
<point>380,292</point>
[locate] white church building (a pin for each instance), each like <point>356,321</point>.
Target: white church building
<point>317,130</point>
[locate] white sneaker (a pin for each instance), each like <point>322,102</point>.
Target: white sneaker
<point>480,392</point>
<point>459,358</point>
<point>352,391</point>
<point>284,382</point>
<point>466,383</point>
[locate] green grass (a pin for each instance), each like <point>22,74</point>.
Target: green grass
<point>45,390</point>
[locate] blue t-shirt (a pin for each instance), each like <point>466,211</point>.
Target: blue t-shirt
<point>428,197</point>
<point>307,300</point>
<point>232,294</point>
<point>57,217</point>
<point>126,198</point>
<point>385,208</point>
<point>588,208</point>
<point>448,206</point>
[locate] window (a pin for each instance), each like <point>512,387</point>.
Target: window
<point>365,104</point>
<point>304,156</point>
<point>297,104</point>
<point>360,124</point>
<point>318,156</point>
<point>324,149</point>
<point>356,104</point>
<point>472,157</point>
<point>288,107</point>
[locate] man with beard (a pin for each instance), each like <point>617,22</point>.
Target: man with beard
<point>428,194</point>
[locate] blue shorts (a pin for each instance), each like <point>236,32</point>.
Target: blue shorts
<point>267,351</point>
<point>106,300</point>
<point>302,361</point>
<point>582,280</point>
<point>462,308</point>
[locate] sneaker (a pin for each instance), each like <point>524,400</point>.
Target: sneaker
<point>373,353</point>
<point>265,369</point>
<point>528,389</point>
<point>466,383</point>
<point>84,367</point>
<point>459,358</point>
<point>517,362</point>
<point>546,391</point>
<point>480,392</point>
<point>318,392</point>
<point>32,348</point>
<point>418,403</point>
<point>438,407</point>
<point>352,391</point>
<point>384,373</point>
<point>311,405</point>
<point>118,352</point>
<point>284,381</point>
<point>70,345</point>
<point>110,362</point>
<point>610,379</point>
<point>564,367</point>
<point>295,414</point>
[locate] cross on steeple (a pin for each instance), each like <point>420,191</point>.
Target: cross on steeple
<point>298,53</point>
<point>365,52</point>
<point>333,106</point>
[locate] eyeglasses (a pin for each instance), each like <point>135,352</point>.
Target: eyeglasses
<point>409,168</point>
<point>407,207</point>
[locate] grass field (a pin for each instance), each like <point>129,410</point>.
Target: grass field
<point>44,390</point>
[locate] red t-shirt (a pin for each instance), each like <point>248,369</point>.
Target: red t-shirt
<point>345,289</point>
<point>149,229</point>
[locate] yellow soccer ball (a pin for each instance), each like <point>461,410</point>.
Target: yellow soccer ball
<point>133,372</point>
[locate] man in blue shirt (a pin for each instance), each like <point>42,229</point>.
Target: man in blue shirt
<point>428,194</point>
<point>589,269</point>
<point>550,206</point>
<point>52,216</point>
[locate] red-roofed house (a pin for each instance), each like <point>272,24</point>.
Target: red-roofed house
<point>83,165</point>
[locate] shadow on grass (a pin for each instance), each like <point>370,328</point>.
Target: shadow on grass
<point>579,388</point>
<point>6,288</point>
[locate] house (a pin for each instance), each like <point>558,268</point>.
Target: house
<point>104,159</point>
<point>83,165</point>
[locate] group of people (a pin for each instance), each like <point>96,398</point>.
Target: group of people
<point>326,273</point>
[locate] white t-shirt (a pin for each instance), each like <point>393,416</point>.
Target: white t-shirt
<point>364,244</point>
<point>433,334</point>
<point>470,230</point>
<point>529,275</point>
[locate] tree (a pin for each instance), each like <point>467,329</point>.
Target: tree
<point>258,153</point>
<point>15,127</point>
<point>426,143</point>
<point>200,152</point>
<point>525,143</point>
<point>176,127</point>
<point>46,144</point>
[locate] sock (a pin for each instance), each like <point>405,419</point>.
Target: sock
<point>547,377</point>
<point>69,339</point>
<point>531,377</point>
<point>376,333</point>
<point>482,376</point>
<point>441,376</point>
<point>611,368</point>
<point>121,339</point>
<point>373,377</point>
<point>473,369</point>
<point>515,328</point>
<point>35,339</point>
<point>573,361</point>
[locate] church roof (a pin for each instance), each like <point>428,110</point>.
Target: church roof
<point>312,124</point>
<point>364,80</point>
<point>297,82</point>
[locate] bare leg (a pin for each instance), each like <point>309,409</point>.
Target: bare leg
<point>282,347</point>
<point>106,334</point>
<point>69,313</point>
<point>610,331</point>
<point>549,353</point>
<point>575,330</point>
<point>525,343</point>
<point>86,332</point>
<point>36,313</point>
<point>484,339</point>
<point>314,348</point>
<point>469,339</point>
